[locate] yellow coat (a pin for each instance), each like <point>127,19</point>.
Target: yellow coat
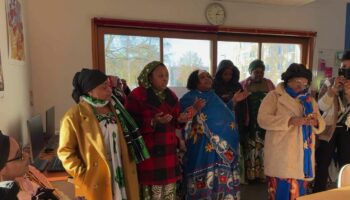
<point>82,152</point>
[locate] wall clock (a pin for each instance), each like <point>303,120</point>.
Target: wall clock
<point>215,14</point>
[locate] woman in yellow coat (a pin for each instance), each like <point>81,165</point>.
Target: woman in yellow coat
<point>92,144</point>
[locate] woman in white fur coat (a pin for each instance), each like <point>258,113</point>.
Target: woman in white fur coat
<point>291,119</point>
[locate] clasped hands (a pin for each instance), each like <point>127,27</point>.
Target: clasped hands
<point>310,120</point>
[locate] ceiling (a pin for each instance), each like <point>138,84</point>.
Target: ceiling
<point>274,2</point>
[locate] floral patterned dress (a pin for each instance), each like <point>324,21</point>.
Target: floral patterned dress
<point>109,128</point>
<point>254,143</point>
<point>253,140</point>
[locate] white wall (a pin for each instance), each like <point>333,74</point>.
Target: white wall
<point>60,32</point>
<point>14,101</point>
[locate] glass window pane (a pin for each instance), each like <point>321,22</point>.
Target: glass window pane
<point>182,56</point>
<point>125,56</point>
<point>278,57</point>
<point>240,53</point>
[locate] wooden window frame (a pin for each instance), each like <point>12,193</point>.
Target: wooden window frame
<point>102,26</point>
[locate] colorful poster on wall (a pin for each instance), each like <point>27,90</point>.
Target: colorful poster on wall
<point>15,30</point>
<point>328,65</point>
<point>1,77</point>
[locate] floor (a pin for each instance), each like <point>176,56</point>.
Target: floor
<point>255,191</point>
<point>258,191</point>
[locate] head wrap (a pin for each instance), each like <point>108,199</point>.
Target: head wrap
<point>256,64</point>
<point>147,70</point>
<point>346,55</point>
<point>227,64</point>
<point>296,70</point>
<point>86,80</point>
<point>222,87</point>
<point>4,149</point>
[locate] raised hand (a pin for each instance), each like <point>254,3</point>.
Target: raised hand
<point>240,95</point>
<point>338,84</point>
<point>199,104</point>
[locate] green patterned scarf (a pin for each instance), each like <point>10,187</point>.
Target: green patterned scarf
<point>160,94</point>
<point>98,103</point>
<point>134,140</point>
<point>131,132</point>
<point>147,70</point>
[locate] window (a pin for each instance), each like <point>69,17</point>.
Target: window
<point>122,48</point>
<point>240,53</point>
<point>278,58</point>
<point>125,56</point>
<point>279,66</point>
<point>182,56</point>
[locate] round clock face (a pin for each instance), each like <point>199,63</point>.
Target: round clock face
<point>215,14</point>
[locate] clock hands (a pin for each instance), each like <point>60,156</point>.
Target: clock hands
<point>218,13</point>
<point>215,14</point>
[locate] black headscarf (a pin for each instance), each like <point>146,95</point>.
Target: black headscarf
<point>256,64</point>
<point>4,149</point>
<point>232,85</point>
<point>296,70</point>
<point>86,80</point>
<point>346,56</point>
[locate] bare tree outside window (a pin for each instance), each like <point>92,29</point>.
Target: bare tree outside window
<point>183,56</point>
<point>125,56</point>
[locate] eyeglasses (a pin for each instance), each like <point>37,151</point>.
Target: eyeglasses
<point>301,84</point>
<point>19,156</point>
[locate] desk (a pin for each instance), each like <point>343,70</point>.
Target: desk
<point>53,176</point>
<point>58,179</point>
<point>335,194</point>
<point>56,176</point>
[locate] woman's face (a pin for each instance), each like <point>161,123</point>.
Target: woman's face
<point>257,74</point>
<point>298,84</point>
<point>227,75</point>
<point>17,164</point>
<point>102,91</point>
<point>205,81</point>
<point>159,78</point>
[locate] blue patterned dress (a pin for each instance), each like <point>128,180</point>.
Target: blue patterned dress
<point>211,169</point>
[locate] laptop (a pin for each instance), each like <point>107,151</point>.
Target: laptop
<point>50,135</point>
<point>36,135</point>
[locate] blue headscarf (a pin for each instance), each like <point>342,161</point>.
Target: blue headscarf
<point>305,100</point>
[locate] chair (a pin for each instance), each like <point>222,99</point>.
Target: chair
<point>344,176</point>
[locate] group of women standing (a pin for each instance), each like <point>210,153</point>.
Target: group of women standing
<point>102,142</point>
